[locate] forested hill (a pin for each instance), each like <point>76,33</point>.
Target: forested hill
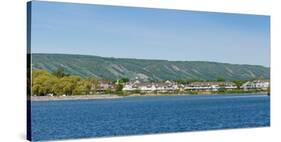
<point>116,68</point>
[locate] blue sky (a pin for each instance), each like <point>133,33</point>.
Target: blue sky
<point>145,33</point>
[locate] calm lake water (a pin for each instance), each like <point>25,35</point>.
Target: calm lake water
<point>146,115</point>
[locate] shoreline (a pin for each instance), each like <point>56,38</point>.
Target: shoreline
<point>110,96</point>
<point>77,97</point>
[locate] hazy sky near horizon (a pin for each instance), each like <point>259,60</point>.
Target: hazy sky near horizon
<point>145,33</point>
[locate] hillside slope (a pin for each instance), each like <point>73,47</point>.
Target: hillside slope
<point>115,68</point>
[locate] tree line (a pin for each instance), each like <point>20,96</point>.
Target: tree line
<point>60,83</point>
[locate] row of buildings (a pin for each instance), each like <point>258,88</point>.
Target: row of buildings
<point>105,86</point>
<point>193,86</point>
<point>256,84</point>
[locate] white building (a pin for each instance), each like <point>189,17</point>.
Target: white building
<point>128,87</point>
<point>256,84</point>
<point>212,86</point>
<point>151,86</point>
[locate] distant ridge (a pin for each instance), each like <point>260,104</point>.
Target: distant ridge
<point>116,68</point>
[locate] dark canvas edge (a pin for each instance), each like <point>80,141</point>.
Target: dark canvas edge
<point>28,69</point>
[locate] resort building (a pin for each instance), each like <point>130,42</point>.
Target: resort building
<point>151,86</point>
<point>256,84</point>
<point>210,86</point>
<point>169,86</point>
<point>105,85</point>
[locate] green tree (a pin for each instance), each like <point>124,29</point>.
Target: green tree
<point>95,84</point>
<point>60,73</point>
<point>238,83</point>
<point>220,79</point>
<point>82,87</point>
<point>119,87</point>
<point>66,85</point>
<point>124,80</point>
<point>43,82</point>
<point>58,88</point>
<point>70,83</point>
